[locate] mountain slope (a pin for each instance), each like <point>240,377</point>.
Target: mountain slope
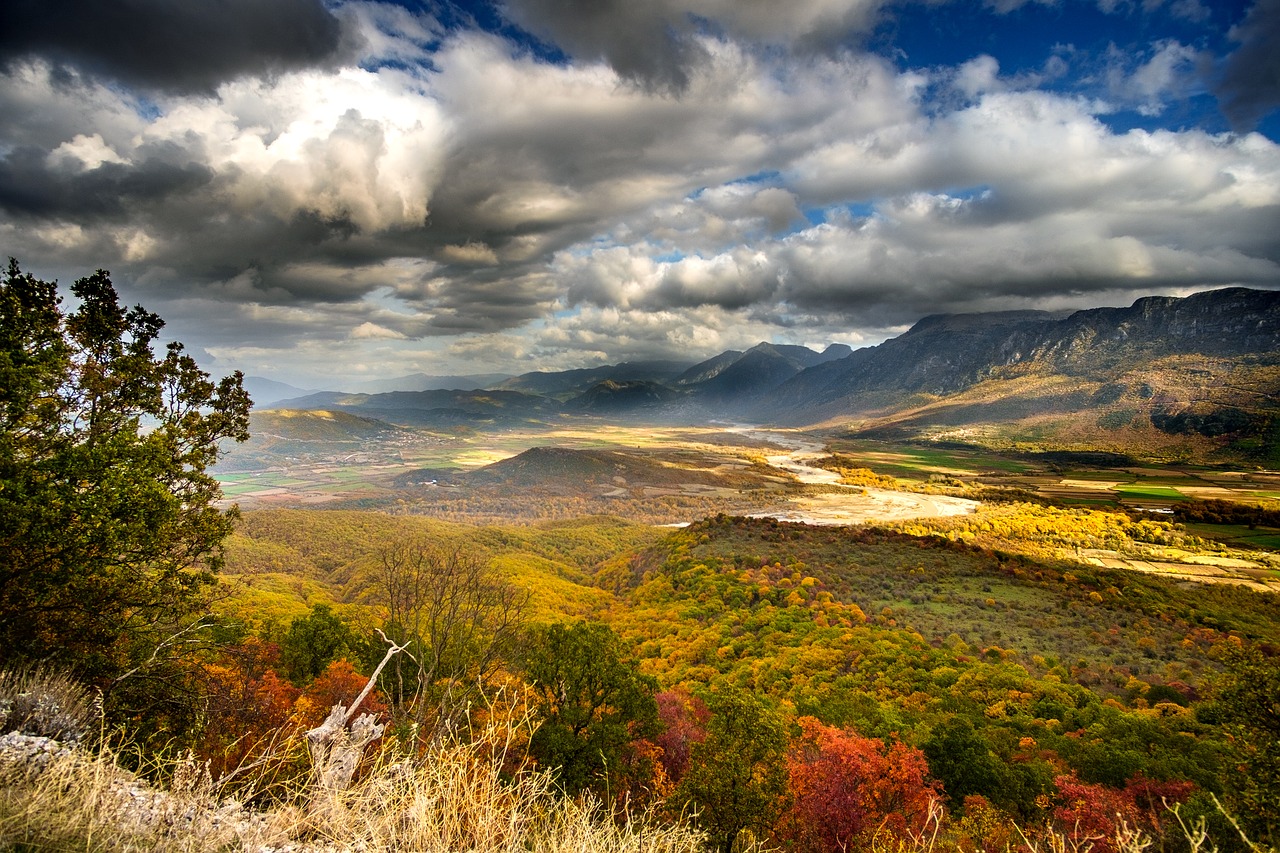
<point>1202,367</point>
<point>569,383</point>
<point>432,408</point>
<point>612,397</point>
<point>757,371</point>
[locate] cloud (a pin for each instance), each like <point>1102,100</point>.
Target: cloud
<point>372,331</point>
<point>187,47</point>
<point>1171,71</point>
<point>456,195</point>
<point>657,43</point>
<point>1249,87</point>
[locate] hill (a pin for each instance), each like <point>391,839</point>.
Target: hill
<point>564,384</point>
<point>551,469</point>
<point>442,409</point>
<point>277,435</point>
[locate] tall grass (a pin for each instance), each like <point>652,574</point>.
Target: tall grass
<point>458,797</point>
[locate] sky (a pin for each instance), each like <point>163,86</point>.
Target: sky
<point>326,193</point>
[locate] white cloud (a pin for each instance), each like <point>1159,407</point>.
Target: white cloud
<point>1170,72</point>
<point>372,331</point>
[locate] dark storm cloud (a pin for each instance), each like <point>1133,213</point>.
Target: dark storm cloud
<point>1250,84</point>
<point>29,187</point>
<point>172,45</point>
<point>657,42</point>
<point>641,41</point>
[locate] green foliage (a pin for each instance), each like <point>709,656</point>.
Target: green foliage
<point>109,532</point>
<point>737,779</point>
<point>313,642</point>
<point>962,760</point>
<point>592,701</point>
<point>1247,706</point>
<point>458,618</point>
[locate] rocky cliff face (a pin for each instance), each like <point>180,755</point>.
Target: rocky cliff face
<point>946,354</point>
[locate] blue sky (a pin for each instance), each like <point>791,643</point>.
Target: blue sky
<point>325,193</point>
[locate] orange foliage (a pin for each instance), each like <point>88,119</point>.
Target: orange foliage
<point>339,684</point>
<point>247,705</point>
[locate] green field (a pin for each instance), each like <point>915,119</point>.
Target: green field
<point>1150,491</point>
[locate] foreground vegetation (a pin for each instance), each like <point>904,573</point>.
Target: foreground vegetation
<point>739,681</point>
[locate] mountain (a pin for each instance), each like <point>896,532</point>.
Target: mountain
<point>428,382</point>
<point>757,371</point>
<point>1198,376</point>
<point>441,409</point>
<point>709,369</point>
<point>612,397</point>
<point>264,392</point>
<point>565,384</point>
<point>1200,367</point>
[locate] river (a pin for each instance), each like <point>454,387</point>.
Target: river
<point>852,505</point>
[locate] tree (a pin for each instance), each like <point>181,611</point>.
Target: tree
<point>684,723</point>
<point>961,758</point>
<point>109,529</point>
<point>847,788</point>
<point>737,777</point>
<point>1246,703</point>
<point>313,642</point>
<point>593,703</point>
<point>458,618</point>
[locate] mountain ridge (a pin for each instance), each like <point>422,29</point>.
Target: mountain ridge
<point>1201,371</point>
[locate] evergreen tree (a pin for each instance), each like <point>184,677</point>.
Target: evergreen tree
<point>593,702</point>
<point>109,531</point>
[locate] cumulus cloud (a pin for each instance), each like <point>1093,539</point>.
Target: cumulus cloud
<point>1171,71</point>
<point>454,196</point>
<point>656,43</point>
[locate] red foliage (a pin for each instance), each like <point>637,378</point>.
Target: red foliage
<point>247,704</point>
<point>1088,812</point>
<point>847,788</point>
<point>684,723</point>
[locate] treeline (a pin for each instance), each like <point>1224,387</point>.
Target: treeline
<point>1215,511</point>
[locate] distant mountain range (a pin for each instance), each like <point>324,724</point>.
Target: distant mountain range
<point>1200,372</point>
<point>267,392</point>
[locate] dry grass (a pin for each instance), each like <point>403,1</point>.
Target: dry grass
<point>456,798</point>
<point>45,703</point>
